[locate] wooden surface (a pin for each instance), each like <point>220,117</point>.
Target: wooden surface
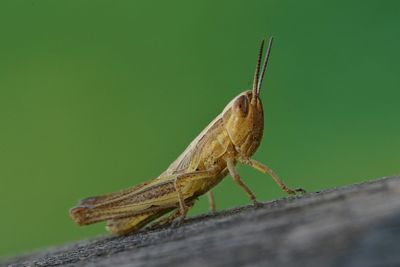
<point>356,225</point>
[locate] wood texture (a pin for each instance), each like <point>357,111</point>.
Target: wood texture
<point>356,225</point>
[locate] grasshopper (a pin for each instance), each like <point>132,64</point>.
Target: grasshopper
<point>232,137</point>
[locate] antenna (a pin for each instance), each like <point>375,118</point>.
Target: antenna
<point>257,73</point>
<point>264,66</point>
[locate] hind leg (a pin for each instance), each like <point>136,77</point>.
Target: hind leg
<point>169,219</point>
<point>179,183</point>
<point>132,224</point>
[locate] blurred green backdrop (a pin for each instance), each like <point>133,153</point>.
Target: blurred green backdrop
<point>96,96</point>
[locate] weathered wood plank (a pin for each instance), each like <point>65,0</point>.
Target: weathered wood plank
<point>356,225</point>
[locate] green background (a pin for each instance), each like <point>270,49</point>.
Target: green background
<point>96,96</point>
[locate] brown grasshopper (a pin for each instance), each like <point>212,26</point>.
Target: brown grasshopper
<point>233,136</point>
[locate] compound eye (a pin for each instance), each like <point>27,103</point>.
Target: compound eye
<point>240,105</point>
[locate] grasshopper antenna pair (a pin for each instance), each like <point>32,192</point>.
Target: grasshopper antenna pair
<point>257,79</point>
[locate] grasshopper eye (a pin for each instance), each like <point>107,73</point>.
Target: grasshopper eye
<point>240,105</point>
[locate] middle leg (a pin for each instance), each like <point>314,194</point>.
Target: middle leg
<point>211,200</point>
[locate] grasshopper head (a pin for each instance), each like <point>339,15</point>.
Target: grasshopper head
<point>243,118</point>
